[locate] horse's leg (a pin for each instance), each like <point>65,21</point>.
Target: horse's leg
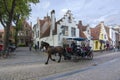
<point>59,57</point>
<point>52,58</point>
<point>47,59</point>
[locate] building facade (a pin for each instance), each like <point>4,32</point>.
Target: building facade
<point>56,32</point>
<point>25,34</point>
<point>99,37</point>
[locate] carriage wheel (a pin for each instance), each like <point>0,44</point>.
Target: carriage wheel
<point>90,56</point>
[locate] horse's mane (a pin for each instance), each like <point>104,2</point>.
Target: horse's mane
<point>46,43</point>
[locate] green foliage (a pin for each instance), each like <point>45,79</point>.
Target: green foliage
<point>21,45</point>
<point>13,11</point>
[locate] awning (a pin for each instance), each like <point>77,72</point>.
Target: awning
<point>77,39</point>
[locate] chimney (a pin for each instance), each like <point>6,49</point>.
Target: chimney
<point>37,19</point>
<point>53,19</point>
<point>53,12</point>
<point>102,23</point>
<point>45,18</point>
<point>80,22</point>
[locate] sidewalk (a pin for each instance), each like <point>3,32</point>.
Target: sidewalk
<point>22,56</point>
<point>97,53</point>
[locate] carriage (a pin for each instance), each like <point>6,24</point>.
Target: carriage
<point>67,52</point>
<point>79,51</point>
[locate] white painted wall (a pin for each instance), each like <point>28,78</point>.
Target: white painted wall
<point>36,30</point>
<point>112,36</point>
<point>57,40</point>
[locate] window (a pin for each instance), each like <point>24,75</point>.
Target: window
<point>26,33</point>
<point>37,34</point>
<point>88,31</point>
<point>105,36</point>
<point>73,32</point>
<point>65,30</point>
<point>22,41</point>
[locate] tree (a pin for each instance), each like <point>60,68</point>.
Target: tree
<point>9,11</point>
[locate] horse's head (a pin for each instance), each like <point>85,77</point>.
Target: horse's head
<point>44,44</point>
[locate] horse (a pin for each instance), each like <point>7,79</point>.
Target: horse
<point>52,50</point>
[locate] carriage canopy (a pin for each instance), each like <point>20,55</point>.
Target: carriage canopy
<point>77,39</point>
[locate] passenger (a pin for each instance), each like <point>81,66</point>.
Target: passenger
<point>88,48</point>
<point>73,46</point>
<point>30,47</point>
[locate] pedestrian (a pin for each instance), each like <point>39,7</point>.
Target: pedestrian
<point>105,47</point>
<point>30,47</point>
<point>35,47</point>
<point>114,48</point>
<point>118,48</point>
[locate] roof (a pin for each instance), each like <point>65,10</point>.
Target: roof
<point>95,32</point>
<point>82,28</point>
<point>82,34</point>
<point>46,31</point>
<point>58,22</point>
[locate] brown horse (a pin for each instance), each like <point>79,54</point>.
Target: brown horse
<point>52,50</point>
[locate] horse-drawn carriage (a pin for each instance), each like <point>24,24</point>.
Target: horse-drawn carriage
<point>79,52</point>
<point>67,52</point>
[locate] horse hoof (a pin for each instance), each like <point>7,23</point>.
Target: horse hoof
<point>65,58</point>
<point>46,63</point>
<point>54,60</point>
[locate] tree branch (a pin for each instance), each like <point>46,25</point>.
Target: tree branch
<point>12,10</point>
<point>2,22</point>
<point>6,6</point>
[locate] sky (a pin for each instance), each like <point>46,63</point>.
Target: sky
<point>89,11</point>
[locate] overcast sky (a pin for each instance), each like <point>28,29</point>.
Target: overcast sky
<point>89,11</point>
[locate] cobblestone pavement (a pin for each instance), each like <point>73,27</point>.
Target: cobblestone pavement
<point>26,65</point>
<point>107,71</point>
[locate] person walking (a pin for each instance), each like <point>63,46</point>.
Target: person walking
<point>35,47</point>
<point>30,47</point>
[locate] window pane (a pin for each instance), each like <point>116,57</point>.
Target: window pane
<point>73,32</point>
<point>65,30</point>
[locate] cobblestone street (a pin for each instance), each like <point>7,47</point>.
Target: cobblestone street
<point>26,65</point>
